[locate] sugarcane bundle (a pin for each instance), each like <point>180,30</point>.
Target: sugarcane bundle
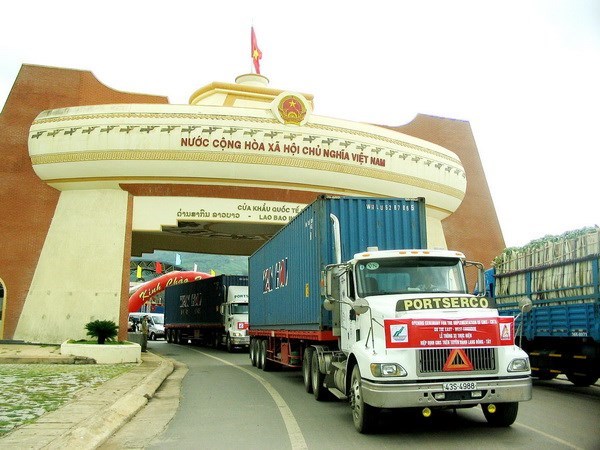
<point>550,282</point>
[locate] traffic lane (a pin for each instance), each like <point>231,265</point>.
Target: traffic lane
<point>329,424</point>
<point>561,409</point>
<point>221,407</point>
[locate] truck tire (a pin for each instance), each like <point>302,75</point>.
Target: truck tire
<point>581,380</point>
<point>317,378</point>
<point>259,358</point>
<point>252,352</point>
<point>306,371</point>
<point>265,364</point>
<point>169,337</point>
<point>364,416</point>
<point>505,415</point>
<point>543,375</point>
<point>228,345</point>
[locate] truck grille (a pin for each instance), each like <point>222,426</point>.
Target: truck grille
<point>432,360</point>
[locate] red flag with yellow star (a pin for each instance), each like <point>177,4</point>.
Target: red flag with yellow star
<point>256,53</point>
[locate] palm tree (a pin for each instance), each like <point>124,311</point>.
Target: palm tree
<point>102,329</point>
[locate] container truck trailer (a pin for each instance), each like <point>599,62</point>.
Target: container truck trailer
<point>560,275</point>
<point>212,311</point>
<point>349,293</point>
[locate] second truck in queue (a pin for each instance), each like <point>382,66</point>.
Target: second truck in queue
<point>348,292</point>
<point>212,311</point>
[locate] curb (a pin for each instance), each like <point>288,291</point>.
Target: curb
<point>96,431</point>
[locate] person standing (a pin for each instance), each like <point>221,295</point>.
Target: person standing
<point>144,333</point>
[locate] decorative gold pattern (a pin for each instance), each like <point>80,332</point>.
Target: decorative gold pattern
<point>167,155</point>
<point>193,116</point>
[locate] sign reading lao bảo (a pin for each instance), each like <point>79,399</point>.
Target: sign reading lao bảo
<point>444,333</point>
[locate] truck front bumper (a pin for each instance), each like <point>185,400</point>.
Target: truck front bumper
<point>432,394</point>
<point>243,341</point>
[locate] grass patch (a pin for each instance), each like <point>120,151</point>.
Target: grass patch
<point>95,342</point>
<point>30,390</point>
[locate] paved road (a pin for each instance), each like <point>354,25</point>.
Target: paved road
<point>227,403</point>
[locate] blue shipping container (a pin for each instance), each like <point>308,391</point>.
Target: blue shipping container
<point>197,302</point>
<point>284,274</point>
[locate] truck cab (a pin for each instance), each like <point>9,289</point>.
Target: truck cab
<point>411,335</point>
<point>235,318</point>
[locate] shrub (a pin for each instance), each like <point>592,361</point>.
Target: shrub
<point>102,329</point>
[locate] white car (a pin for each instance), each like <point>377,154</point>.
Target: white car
<point>156,324</point>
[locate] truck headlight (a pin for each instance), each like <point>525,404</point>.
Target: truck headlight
<point>388,370</point>
<point>519,365</point>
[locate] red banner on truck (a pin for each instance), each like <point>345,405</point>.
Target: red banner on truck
<point>445,333</point>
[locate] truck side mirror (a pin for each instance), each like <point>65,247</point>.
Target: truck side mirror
<point>360,306</point>
<point>328,304</point>
<point>525,304</point>
<point>480,287</point>
<point>330,284</point>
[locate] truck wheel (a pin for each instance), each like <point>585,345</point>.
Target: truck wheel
<point>228,345</point>
<point>265,365</point>
<point>581,380</point>
<point>259,358</point>
<point>364,416</point>
<point>543,375</point>
<point>317,378</point>
<point>252,352</point>
<point>504,416</point>
<point>169,337</point>
<point>306,372</point>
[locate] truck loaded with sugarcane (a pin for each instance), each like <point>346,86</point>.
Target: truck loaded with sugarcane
<point>560,274</point>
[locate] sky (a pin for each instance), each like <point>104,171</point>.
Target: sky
<point>525,74</point>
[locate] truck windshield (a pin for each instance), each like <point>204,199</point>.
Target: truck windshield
<point>239,308</point>
<point>407,275</point>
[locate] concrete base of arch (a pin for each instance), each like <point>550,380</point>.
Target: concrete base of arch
<point>72,290</point>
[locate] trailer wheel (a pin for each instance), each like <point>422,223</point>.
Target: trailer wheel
<point>364,416</point>
<point>169,337</point>
<point>306,371</point>
<point>265,365</point>
<point>251,354</point>
<point>504,416</point>
<point>317,378</point>
<point>259,358</point>
<point>581,380</point>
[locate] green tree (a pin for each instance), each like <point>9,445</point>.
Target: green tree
<point>102,329</point>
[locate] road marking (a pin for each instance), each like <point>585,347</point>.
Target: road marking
<point>293,429</point>
<point>549,436</point>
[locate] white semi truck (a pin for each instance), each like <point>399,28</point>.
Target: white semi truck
<point>381,328</point>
